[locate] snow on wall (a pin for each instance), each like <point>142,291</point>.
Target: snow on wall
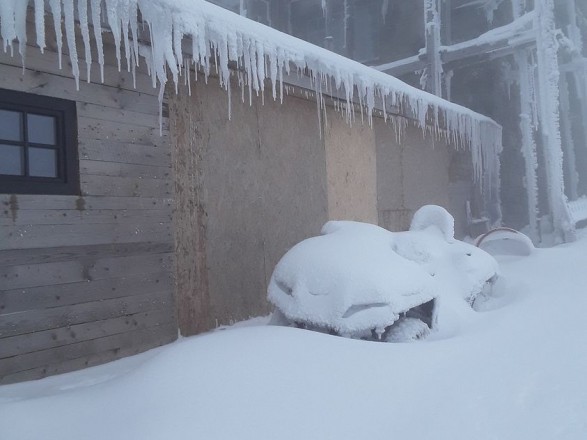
<point>221,39</point>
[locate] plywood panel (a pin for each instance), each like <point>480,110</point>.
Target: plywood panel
<point>351,171</point>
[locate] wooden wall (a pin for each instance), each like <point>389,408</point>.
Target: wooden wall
<point>87,279</point>
<point>249,188</point>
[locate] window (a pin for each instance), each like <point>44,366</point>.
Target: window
<point>38,145</point>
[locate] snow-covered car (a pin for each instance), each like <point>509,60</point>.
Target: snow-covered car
<point>362,281</point>
<point>462,270</point>
<point>349,281</point>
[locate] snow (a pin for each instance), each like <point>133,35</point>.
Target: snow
<point>433,215</point>
<point>549,119</point>
<point>433,73</point>
<point>510,31</point>
<point>349,280</point>
<point>578,209</point>
<point>261,54</point>
<point>505,241</point>
<point>516,371</point>
<point>460,269</point>
<point>528,123</point>
<point>356,278</point>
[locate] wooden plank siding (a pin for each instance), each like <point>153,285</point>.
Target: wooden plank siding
<point>86,279</point>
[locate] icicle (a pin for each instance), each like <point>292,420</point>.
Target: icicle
<point>133,13</point>
<point>82,10</point>
<point>161,95</point>
<point>229,93</point>
<point>384,9</point>
<point>134,71</point>
<point>177,36</point>
<point>124,19</point>
<point>7,26</point>
<point>97,25</point>
<point>70,34</point>
<point>40,24</point>
<point>188,76</point>
<point>490,7</point>
<point>318,108</point>
<point>20,28</point>
<point>112,10</point>
<point>56,11</point>
<point>260,54</point>
<point>518,8</point>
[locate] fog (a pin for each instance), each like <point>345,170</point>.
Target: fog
<point>492,56</point>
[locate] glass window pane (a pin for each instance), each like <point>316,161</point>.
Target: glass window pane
<point>42,162</point>
<point>10,125</point>
<point>11,160</point>
<point>41,129</point>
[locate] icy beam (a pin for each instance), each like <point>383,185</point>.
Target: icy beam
<point>432,31</point>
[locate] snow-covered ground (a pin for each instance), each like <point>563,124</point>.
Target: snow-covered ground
<point>516,371</point>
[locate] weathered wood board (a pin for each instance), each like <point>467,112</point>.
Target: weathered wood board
<point>88,278</point>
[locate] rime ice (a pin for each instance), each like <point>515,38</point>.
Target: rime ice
<point>221,40</point>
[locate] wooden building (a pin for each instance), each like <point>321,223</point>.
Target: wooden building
<point>124,223</point>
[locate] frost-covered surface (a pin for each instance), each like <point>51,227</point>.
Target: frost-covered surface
<point>356,277</point>
<point>515,372</point>
<point>432,76</point>
<point>578,209</point>
<point>219,37</point>
<point>348,280</point>
<point>509,31</point>
<point>549,118</point>
<point>505,241</point>
<point>528,124</point>
<point>460,269</point>
<point>435,216</point>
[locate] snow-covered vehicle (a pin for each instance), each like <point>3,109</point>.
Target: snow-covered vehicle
<point>362,281</point>
<point>462,270</point>
<point>349,281</point>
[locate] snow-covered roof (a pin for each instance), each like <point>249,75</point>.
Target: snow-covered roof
<point>259,53</point>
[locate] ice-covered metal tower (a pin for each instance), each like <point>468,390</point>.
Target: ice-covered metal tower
<point>543,43</point>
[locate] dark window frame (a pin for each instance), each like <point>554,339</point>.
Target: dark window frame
<point>65,114</point>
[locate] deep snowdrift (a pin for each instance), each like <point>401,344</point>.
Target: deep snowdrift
<point>514,372</point>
